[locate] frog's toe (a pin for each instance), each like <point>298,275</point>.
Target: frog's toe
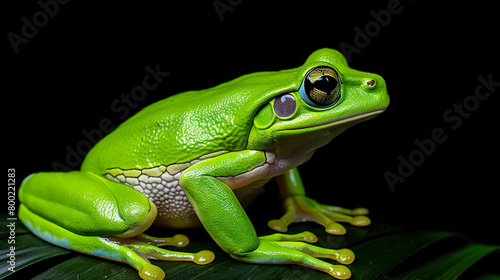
<point>359,211</point>
<point>355,217</point>
<point>154,252</point>
<point>335,228</point>
<point>305,236</point>
<point>151,272</point>
<point>178,240</point>
<point>202,257</point>
<point>279,225</point>
<point>343,256</point>
<point>338,229</point>
<point>360,221</point>
<point>289,217</point>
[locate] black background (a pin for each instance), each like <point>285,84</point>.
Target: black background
<point>65,78</point>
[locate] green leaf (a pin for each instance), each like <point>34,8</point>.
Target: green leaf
<point>85,267</point>
<point>28,249</point>
<point>382,251</point>
<point>450,265</point>
<point>378,257</point>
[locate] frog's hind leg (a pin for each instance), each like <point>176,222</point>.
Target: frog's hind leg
<point>126,250</point>
<point>89,214</point>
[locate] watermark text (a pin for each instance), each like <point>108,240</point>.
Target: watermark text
<point>31,26</point>
<point>453,117</point>
<point>11,220</point>
<point>121,106</point>
<point>363,36</point>
<point>223,6</point>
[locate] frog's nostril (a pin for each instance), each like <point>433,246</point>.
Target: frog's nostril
<point>371,83</point>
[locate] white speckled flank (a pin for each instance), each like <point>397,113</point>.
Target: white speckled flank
<point>164,189</point>
<point>160,184</point>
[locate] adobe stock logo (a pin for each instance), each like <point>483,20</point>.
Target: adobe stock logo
<point>31,26</point>
<point>363,36</point>
<point>222,6</point>
<point>453,117</point>
<point>121,106</point>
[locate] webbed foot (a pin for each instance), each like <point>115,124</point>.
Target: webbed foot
<point>299,208</point>
<point>144,247</point>
<point>292,248</point>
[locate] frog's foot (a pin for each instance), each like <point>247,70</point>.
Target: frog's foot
<point>143,247</point>
<point>299,208</point>
<point>291,248</point>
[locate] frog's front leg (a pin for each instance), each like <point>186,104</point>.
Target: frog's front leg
<point>208,186</point>
<point>299,208</point>
<point>86,213</point>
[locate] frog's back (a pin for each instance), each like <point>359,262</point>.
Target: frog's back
<point>164,133</point>
<point>187,126</point>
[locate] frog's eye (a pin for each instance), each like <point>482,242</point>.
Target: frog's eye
<point>284,106</point>
<point>321,87</point>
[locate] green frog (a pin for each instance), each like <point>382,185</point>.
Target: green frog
<point>198,158</point>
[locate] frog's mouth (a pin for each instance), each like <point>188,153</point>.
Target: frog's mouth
<point>351,120</point>
<point>343,122</point>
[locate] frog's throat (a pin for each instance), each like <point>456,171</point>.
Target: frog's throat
<point>351,120</point>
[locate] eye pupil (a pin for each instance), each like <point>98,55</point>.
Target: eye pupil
<point>326,84</point>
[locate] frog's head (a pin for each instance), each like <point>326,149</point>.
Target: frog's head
<point>325,98</point>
